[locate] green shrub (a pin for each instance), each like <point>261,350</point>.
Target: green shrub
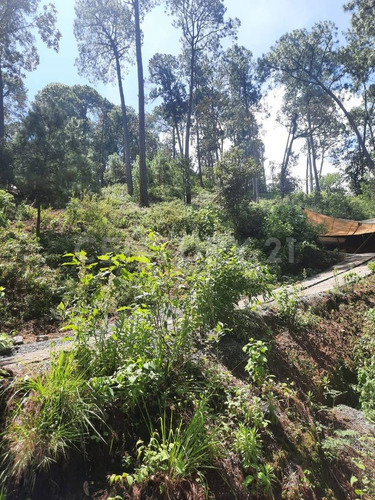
<point>287,300</point>
<point>158,324</point>
<point>6,343</point>
<point>207,221</point>
<point>7,207</point>
<point>32,289</point>
<point>170,219</point>
<point>220,282</point>
<point>257,362</point>
<point>249,221</point>
<point>290,240</point>
<point>165,176</point>
<point>249,444</point>
<point>191,244</point>
<point>236,173</point>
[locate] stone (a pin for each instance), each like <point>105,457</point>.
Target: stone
<point>42,338</point>
<point>18,340</point>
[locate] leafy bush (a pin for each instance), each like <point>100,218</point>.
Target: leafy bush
<point>221,280</point>
<point>158,325</point>
<point>170,219</point>
<point>250,219</point>
<point>337,202</point>
<point>6,343</point>
<point>32,289</point>
<point>191,244</point>
<point>287,302</point>
<point>296,239</point>
<point>7,207</point>
<point>165,176</point>
<point>256,365</point>
<point>207,221</point>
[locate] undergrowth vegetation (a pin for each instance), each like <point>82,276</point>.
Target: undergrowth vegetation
<point>148,359</point>
<point>35,282</point>
<point>143,399</point>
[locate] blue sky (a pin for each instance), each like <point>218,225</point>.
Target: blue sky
<point>263,22</point>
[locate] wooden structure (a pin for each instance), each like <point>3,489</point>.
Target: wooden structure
<point>346,235</point>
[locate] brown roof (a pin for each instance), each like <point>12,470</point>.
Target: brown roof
<point>340,227</point>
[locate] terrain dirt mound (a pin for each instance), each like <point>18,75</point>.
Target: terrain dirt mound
<point>349,447</point>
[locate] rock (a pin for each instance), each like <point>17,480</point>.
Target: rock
<point>18,340</point>
<point>42,338</point>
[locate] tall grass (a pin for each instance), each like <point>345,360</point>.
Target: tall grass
<point>180,450</point>
<point>49,414</point>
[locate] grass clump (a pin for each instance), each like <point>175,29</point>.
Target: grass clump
<point>178,451</point>
<point>49,414</point>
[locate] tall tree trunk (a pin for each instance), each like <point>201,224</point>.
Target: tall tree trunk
<point>200,173</point>
<point>143,201</point>
<point>178,135</point>
<point>312,187</point>
<point>321,165</point>
<point>188,127</point>
<point>307,175</point>
<point>128,168</point>
<point>4,173</point>
<point>310,168</point>
<point>368,121</point>
<point>287,153</point>
<point>2,111</point>
<point>313,159</point>
<point>174,141</point>
<point>256,189</point>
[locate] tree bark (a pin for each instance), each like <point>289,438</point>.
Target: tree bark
<point>321,165</point>
<point>174,141</point>
<point>180,146</point>
<point>200,173</point>
<point>6,173</point>
<point>143,201</point>
<point>288,152</point>
<point>128,168</point>
<point>368,121</point>
<point>307,175</point>
<point>188,127</point>
<point>309,162</point>
<point>313,158</point>
<point>2,110</point>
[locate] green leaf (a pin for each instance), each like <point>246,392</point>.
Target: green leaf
<point>248,480</point>
<point>142,259</point>
<point>353,480</point>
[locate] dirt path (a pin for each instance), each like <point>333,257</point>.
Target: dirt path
<point>331,279</point>
<point>338,275</point>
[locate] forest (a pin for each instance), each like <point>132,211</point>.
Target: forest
<point>152,261</point>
